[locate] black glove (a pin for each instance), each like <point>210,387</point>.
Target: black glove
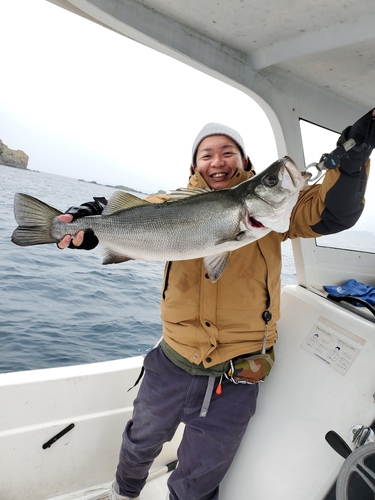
<point>95,207</point>
<point>363,133</point>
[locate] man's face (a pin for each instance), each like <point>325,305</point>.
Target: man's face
<point>218,159</point>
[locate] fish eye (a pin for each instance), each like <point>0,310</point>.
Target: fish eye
<point>270,180</point>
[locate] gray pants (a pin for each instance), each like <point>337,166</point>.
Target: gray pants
<point>168,395</point>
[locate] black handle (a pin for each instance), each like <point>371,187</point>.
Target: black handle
<point>338,444</point>
<point>49,443</point>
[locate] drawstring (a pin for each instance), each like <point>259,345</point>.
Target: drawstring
<point>207,396</point>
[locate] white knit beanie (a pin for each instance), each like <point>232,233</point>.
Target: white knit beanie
<point>217,129</point>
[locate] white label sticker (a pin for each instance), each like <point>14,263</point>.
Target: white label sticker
<point>336,353</point>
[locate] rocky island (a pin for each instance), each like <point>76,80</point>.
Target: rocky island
<point>12,158</point>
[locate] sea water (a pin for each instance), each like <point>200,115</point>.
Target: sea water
<point>63,307</point>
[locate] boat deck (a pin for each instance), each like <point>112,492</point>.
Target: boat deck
<point>155,489</point>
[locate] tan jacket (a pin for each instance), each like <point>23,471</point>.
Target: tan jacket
<point>211,323</point>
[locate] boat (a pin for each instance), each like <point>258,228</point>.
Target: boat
<point>60,428</point>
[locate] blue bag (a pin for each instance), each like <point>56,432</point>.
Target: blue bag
<point>353,288</point>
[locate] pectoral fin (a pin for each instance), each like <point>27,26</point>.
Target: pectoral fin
<point>237,237</point>
<point>215,265</point>
<point>112,257</point>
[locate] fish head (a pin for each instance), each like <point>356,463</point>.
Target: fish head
<point>273,194</point>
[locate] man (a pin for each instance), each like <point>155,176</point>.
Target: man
<point>208,327</point>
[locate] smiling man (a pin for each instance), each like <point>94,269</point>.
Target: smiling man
<point>214,333</point>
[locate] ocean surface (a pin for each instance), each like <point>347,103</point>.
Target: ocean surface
<point>63,308</point>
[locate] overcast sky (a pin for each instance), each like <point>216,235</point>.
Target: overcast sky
<point>85,102</point>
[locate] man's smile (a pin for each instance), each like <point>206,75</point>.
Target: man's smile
<point>218,175</point>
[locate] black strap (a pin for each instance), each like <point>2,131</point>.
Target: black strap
<point>138,379</point>
<point>353,301</point>
<point>266,315</point>
<point>166,279</point>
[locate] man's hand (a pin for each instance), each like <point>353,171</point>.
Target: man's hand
<point>363,132</point>
<point>83,240</point>
<point>67,241</point>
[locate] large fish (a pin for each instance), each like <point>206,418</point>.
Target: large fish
<point>195,223</point>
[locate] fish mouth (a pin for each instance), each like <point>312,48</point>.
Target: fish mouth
<point>294,173</point>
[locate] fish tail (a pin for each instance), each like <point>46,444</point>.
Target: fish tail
<point>34,220</point>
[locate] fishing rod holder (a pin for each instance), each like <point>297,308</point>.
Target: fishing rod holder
<point>360,435</point>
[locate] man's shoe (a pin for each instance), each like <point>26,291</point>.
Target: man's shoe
<point>115,495</point>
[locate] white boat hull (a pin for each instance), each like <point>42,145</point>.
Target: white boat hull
<point>37,405</point>
<point>284,454</point>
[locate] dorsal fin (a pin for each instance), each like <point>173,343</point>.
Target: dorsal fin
<point>181,193</point>
<point>122,201</point>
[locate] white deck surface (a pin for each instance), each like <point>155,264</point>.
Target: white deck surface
<point>155,489</point>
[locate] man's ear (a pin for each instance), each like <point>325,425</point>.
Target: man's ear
<point>247,165</point>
